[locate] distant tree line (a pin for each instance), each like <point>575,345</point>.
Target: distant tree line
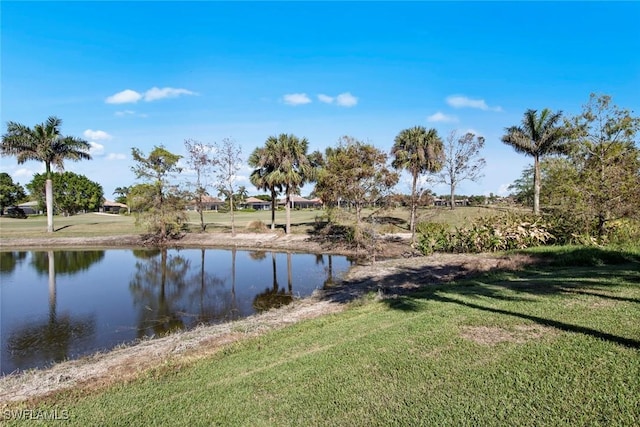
<point>586,171</point>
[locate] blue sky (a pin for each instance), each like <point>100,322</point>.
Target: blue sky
<point>139,74</point>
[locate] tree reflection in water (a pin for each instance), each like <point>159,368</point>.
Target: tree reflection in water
<point>9,261</point>
<point>156,292</point>
<point>275,297</point>
<point>156,287</point>
<point>51,341</point>
<point>215,302</point>
<point>65,262</point>
<point>169,298</point>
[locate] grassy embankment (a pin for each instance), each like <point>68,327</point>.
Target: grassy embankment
<point>557,343</point>
<point>303,221</point>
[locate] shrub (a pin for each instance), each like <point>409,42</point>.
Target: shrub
<point>434,237</point>
<point>487,234</point>
<point>257,226</point>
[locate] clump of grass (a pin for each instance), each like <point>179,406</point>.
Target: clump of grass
<point>256,226</point>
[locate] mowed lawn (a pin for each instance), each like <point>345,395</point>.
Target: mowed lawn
<point>554,344</point>
<point>303,221</point>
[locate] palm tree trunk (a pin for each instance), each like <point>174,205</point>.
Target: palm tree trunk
<point>273,208</point>
<point>414,205</point>
<point>288,207</point>
<point>536,186</point>
<point>49,201</point>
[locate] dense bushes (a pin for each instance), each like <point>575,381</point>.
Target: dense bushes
<point>519,231</point>
<point>490,234</point>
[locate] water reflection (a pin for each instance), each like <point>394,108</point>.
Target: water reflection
<point>157,285</point>
<point>66,262</point>
<point>64,304</point>
<point>275,297</point>
<point>50,340</point>
<point>9,260</point>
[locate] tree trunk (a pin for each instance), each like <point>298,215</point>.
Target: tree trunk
<point>49,200</point>
<point>414,206</point>
<point>274,202</point>
<point>453,196</point>
<point>536,185</point>
<point>201,212</point>
<point>233,225</point>
<point>288,208</point>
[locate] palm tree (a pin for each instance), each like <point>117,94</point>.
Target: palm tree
<point>265,161</point>
<point>123,194</point>
<point>294,169</point>
<point>44,143</point>
<point>419,151</point>
<point>539,135</point>
<point>281,165</point>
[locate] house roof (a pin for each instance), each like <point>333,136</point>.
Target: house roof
<point>208,199</point>
<point>255,201</point>
<point>112,203</point>
<point>298,199</point>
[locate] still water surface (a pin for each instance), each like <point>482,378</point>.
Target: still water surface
<point>59,305</point>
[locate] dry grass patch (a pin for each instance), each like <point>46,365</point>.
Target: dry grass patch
<point>492,335</point>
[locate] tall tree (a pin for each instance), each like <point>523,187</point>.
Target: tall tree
<point>608,161</point>
<point>10,192</point>
<point>418,151</point>
<point>294,168</point>
<point>265,162</point>
<point>462,161</point>
<point>538,136</point>
<point>44,143</point>
<point>74,193</point>
<point>200,160</point>
<point>162,203</point>
<point>227,163</point>
<point>357,173</point>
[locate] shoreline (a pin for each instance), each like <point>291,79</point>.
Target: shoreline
<point>391,246</point>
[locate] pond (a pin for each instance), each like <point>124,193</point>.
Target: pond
<point>58,305</point>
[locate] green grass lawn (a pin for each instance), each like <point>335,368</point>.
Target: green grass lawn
<point>555,344</point>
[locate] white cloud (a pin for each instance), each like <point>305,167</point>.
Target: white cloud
<point>129,96</point>
<point>124,97</point>
<point>442,118</point>
<point>461,101</point>
<point>156,93</point>
<point>346,100</point>
<point>325,98</point>
<point>97,135</point>
<point>296,99</point>
<point>116,156</point>
<point>96,149</point>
